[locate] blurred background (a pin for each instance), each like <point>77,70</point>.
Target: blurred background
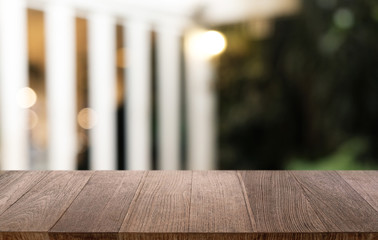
<point>211,84</point>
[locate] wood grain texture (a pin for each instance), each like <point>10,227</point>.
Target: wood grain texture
<point>365,183</point>
<point>14,184</point>
<point>336,203</point>
<point>250,236</point>
<point>278,203</point>
<point>187,205</point>
<point>40,208</point>
<point>83,236</point>
<point>161,204</point>
<point>218,204</point>
<point>100,207</point>
<point>24,236</point>
<point>198,236</point>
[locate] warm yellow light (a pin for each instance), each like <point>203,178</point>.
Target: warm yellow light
<point>207,44</point>
<point>214,42</point>
<point>87,118</point>
<point>26,97</point>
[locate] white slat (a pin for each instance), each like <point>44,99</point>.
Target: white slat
<point>200,111</point>
<point>102,80</point>
<point>168,62</point>
<point>138,72</point>
<point>61,86</point>
<point>13,77</point>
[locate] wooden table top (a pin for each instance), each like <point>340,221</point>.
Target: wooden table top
<point>188,205</point>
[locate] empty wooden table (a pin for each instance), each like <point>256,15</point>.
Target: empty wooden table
<point>188,205</point>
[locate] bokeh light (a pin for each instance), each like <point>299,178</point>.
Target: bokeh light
<point>344,18</point>
<point>26,97</point>
<point>87,118</point>
<point>207,44</point>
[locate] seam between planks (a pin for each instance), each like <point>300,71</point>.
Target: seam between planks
<point>309,203</point>
<point>190,200</point>
<point>22,174</point>
<point>246,201</point>
<point>356,191</point>
<point>133,201</point>
<point>25,192</point>
<point>114,193</point>
<point>71,202</point>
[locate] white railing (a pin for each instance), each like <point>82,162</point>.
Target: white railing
<point>102,16</point>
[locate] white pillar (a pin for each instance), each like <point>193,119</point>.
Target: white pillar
<point>168,62</point>
<point>102,90</point>
<point>61,86</point>
<point>13,77</point>
<point>200,110</point>
<point>138,95</point>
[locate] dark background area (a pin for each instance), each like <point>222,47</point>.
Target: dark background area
<point>305,95</point>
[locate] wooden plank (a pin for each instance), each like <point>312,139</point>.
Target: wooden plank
<point>100,207</point>
<point>365,183</point>
<point>185,205</point>
<point>338,205</point>
<point>252,236</point>
<point>23,236</point>
<point>161,205</point>
<point>278,203</point>
<point>14,184</point>
<point>40,208</point>
<point>218,204</point>
<point>83,236</point>
<point>203,236</point>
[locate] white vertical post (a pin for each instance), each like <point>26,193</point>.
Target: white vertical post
<point>137,37</point>
<point>201,111</point>
<point>13,77</point>
<point>102,89</point>
<point>168,62</point>
<point>61,86</point>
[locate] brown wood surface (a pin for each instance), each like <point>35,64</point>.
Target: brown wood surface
<point>101,206</point>
<point>278,203</point>
<point>365,183</point>
<point>218,204</point>
<point>336,203</point>
<point>186,205</point>
<point>250,236</point>
<point>15,184</point>
<point>161,204</point>
<point>40,208</point>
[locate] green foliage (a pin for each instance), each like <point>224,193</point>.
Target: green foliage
<point>344,158</point>
<point>305,90</point>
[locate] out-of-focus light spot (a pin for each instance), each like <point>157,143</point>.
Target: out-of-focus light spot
<point>26,97</point>
<point>121,62</point>
<point>33,119</point>
<point>326,4</point>
<point>87,118</point>
<point>343,18</point>
<point>329,43</point>
<point>207,44</point>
